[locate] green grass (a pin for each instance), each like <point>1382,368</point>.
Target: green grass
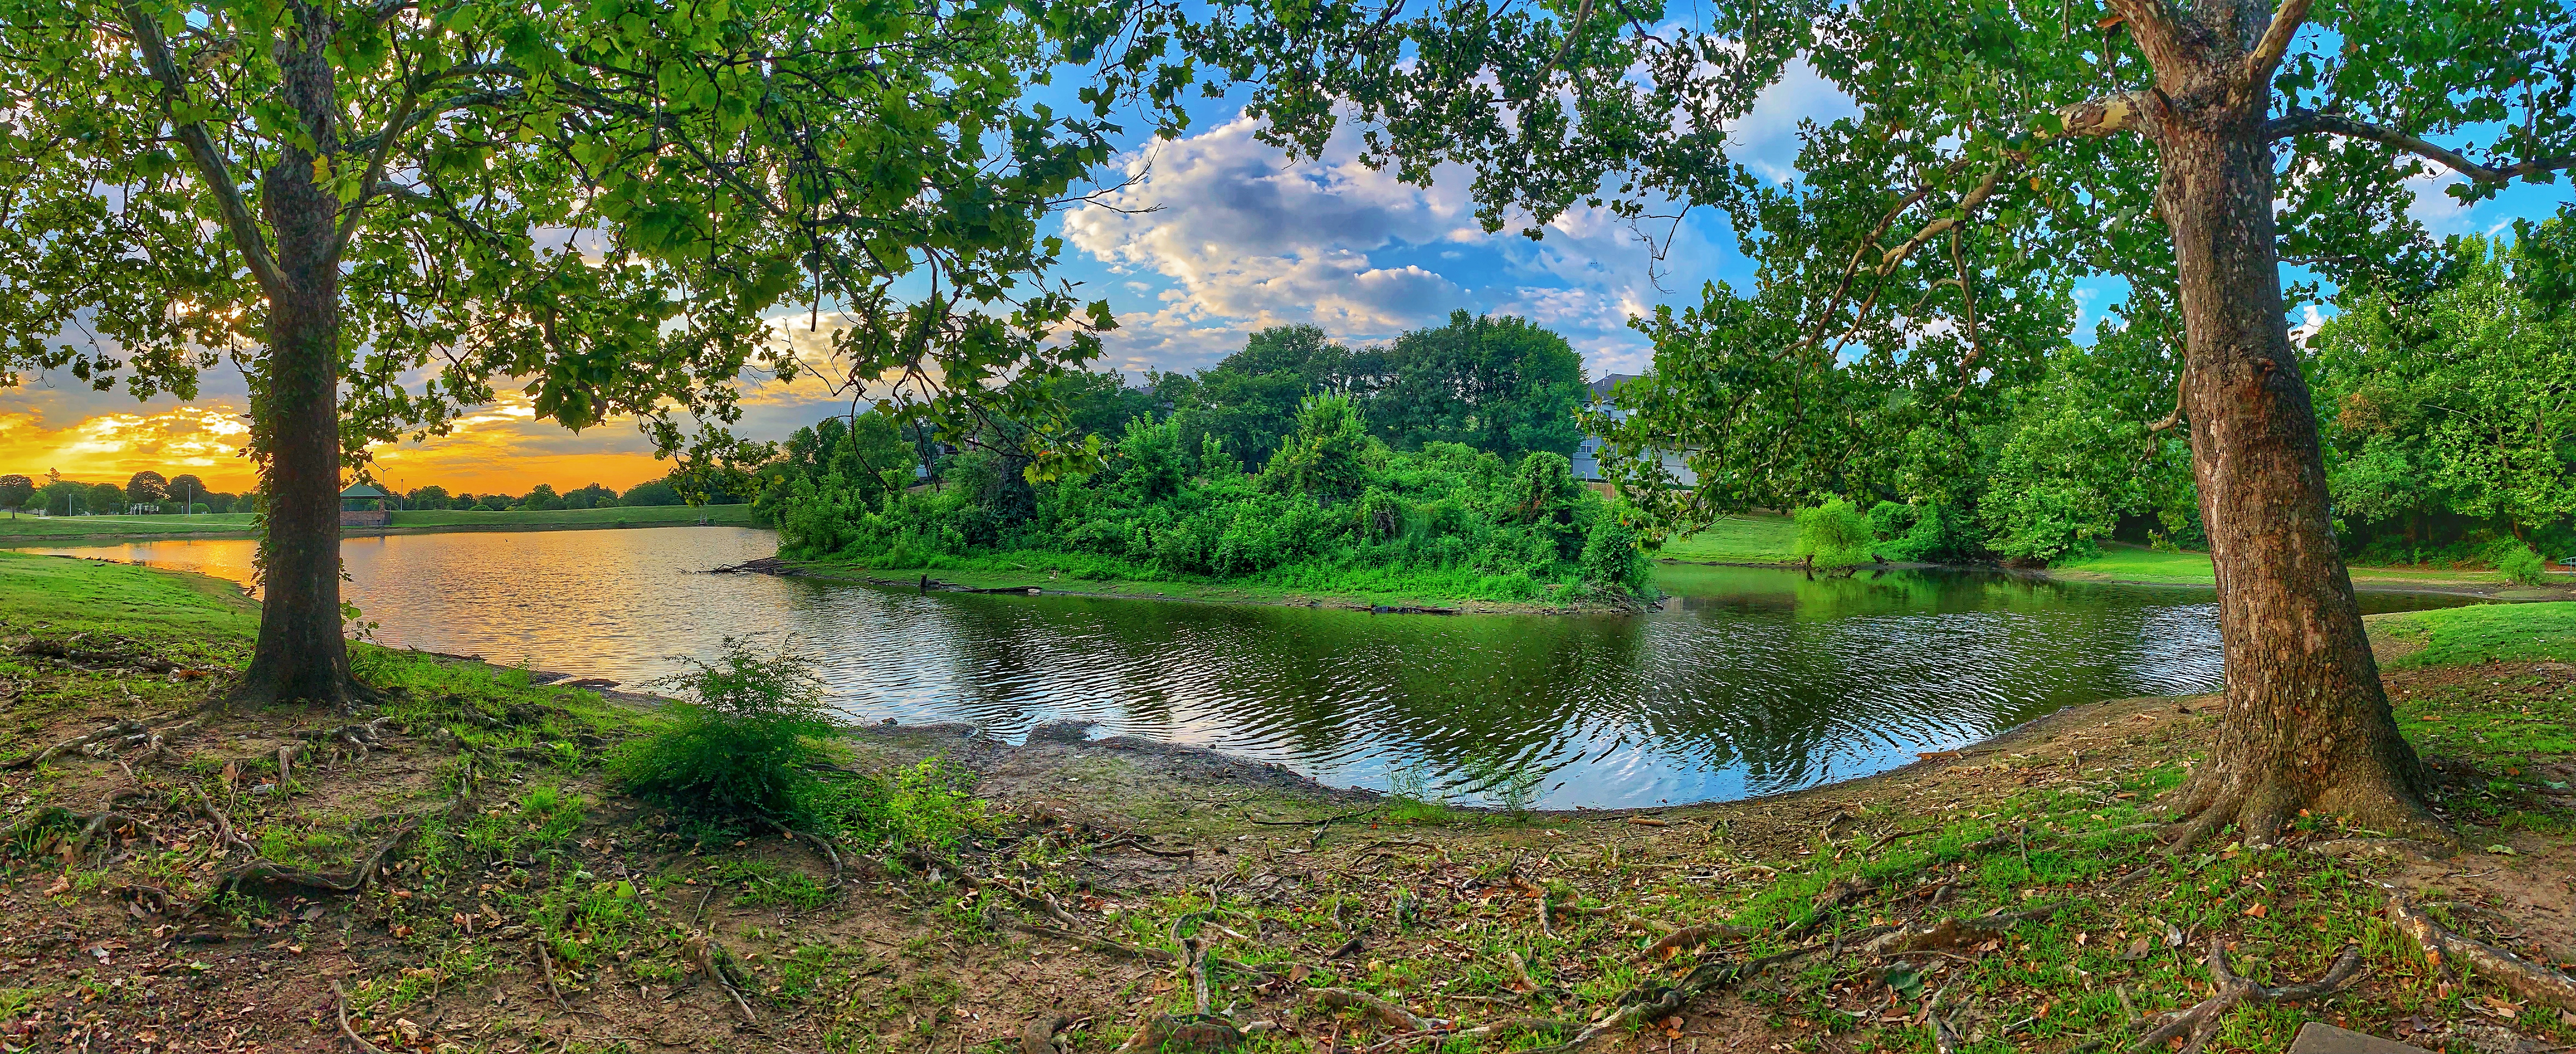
<point>2129,563</point>
<point>2501,632</point>
<point>39,527</point>
<point>74,596</point>
<point>1758,538</point>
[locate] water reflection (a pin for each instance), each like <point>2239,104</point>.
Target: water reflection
<point>1749,681</point>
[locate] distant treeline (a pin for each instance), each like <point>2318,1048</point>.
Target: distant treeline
<point>144,493</point>
<point>150,493</point>
<point>1434,464</point>
<point>545,497</point>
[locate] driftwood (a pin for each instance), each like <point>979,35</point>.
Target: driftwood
<point>2518,975</point>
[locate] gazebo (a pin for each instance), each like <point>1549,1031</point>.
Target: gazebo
<point>354,510</point>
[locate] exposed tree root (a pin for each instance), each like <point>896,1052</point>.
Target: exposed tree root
<point>270,873</point>
<point>1688,938</point>
<point>1388,1014</point>
<point>2261,808</point>
<point>361,736</point>
<point>121,728</point>
<point>2521,977</point>
<point>701,949</point>
<point>347,1032</point>
<point>92,825</point>
<point>1182,1032</point>
<point>1956,932</point>
<point>825,846</point>
<point>2400,847</point>
<point>1104,947</point>
<point>2194,1026</point>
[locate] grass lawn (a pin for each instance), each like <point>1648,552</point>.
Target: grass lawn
<point>83,595</point>
<point>2486,632</point>
<point>2129,563</point>
<point>1757,538</point>
<point>31,530</point>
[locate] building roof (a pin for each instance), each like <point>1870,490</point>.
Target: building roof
<point>361,490</point>
<point>1601,388</point>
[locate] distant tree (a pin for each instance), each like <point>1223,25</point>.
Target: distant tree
<point>15,490</point>
<point>186,487</point>
<point>544,497</point>
<point>429,497</point>
<point>652,492</point>
<point>1307,352</point>
<point>105,497</point>
<point>58,495</point>
<point>218,501</point>
<point>146,487</point>
<point>1099,404</point>
<point>592,496</point>
<point>1493,383</point>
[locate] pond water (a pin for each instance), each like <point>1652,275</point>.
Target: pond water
<point>1748,681</point>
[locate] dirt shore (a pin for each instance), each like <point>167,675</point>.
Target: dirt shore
<point>504,897</point>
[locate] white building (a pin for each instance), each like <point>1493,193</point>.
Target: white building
<point>1587,461</point>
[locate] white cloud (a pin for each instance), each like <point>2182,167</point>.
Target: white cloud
<point>1241,239</point>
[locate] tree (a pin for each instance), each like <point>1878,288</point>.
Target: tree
<point>188,489</point>
<point>146,487</point>
<point>1493,383</point>
<point>651,492</point>
<point>103,498</point>
<point>429,497</point>
<point>15,490</point>
<point>602,198</point>
<point>1999,151</point>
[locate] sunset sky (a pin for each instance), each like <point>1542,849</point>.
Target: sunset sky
<point>1243,240</point>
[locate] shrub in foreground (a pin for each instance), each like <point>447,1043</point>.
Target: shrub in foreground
<point>740,742</point>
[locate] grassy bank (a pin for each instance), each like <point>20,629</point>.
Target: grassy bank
<point>2004,897</point>
<point>65,530</point>
<point>1762,538</point>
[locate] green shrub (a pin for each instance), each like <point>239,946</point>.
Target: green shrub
<point>737,747</point>
<point>2517,562</point>
<point>1940,533</point>
<point>1834,534</point>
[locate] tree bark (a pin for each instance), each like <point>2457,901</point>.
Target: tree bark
<point>2307,724</point>
<point>300,656</point>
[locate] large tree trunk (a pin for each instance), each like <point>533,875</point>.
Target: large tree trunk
<point>2307,725</point>
<point>301,656</point>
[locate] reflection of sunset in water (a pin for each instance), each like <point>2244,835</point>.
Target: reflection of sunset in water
<point>1749,681</point>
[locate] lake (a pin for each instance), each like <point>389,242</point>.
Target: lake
<point>1749,681</point>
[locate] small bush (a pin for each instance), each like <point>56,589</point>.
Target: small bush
<point>1834,534</point>
<point>2517,562</point>
<point>737,747</point>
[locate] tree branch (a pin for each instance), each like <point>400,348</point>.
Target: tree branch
<point>2267,52</point>
<point>376,166</point>
<point>2157,27</point>
<point>2305,122</point>
<point>201,150</point>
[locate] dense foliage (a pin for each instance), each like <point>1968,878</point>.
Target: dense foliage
<point>1360,481</point>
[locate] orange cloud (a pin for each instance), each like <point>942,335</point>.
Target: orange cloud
<point>203,438</point>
